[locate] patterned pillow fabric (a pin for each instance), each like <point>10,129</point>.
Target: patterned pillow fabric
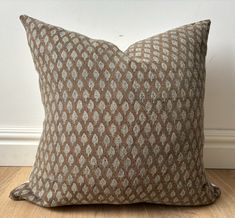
<point>120,127</point>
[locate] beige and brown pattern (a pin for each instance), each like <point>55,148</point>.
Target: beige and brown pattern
<point>120,127</point>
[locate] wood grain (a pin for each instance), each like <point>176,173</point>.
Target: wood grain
<point>10,177</point>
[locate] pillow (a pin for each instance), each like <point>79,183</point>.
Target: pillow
<point>120,127</point>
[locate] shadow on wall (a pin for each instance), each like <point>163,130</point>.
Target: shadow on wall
<point>220,83</point>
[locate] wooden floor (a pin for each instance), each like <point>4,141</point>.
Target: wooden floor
<point>10,177</point>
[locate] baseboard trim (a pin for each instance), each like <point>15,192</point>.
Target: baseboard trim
<point>219,149</point>
<point>18,147</point>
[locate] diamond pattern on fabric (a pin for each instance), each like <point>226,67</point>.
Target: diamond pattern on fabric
<point>120,127</point>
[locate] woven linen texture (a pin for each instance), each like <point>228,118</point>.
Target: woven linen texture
<point>120,127</point>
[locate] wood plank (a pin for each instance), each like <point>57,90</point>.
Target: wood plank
<point>10,177</point>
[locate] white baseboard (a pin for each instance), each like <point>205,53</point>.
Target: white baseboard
<point>219,149</point>
<point>18,147</point>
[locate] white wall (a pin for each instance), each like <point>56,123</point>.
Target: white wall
<point>121,22</point>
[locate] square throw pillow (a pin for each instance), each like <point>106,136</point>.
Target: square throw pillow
<point>120,127</point>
